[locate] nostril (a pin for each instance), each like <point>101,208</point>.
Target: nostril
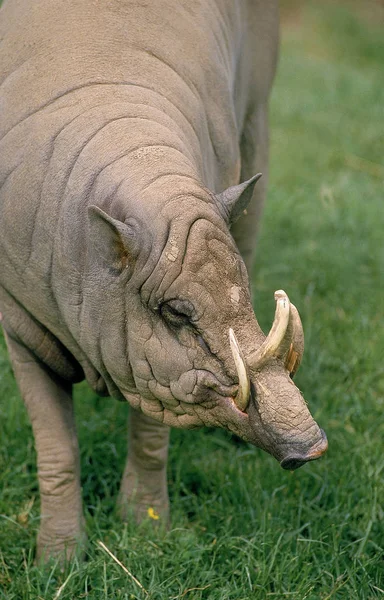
<point>295,461</point>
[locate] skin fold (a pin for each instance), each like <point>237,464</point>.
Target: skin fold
<point>125,130</point>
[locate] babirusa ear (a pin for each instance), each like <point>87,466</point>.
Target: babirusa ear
<point>112,244</point>
<point>234,200</point>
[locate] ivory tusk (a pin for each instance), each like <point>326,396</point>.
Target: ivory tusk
<point>242,397</point>
<point>276,335</point>
<point>296,349</point>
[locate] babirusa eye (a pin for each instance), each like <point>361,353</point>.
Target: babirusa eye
<point>176,313</point>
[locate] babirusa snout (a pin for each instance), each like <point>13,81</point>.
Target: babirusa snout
<point>278,417</point>
<point>294,461</point>
<point>242,397</point>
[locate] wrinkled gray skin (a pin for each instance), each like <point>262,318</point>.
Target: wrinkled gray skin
<point>121,122</point>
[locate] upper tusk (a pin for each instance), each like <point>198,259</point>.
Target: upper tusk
<point>242,397</point>
<point>296,349</point>
<point>276,335</point>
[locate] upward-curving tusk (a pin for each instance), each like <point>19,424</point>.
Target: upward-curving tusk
<point>276,335</point>
<point>296,349</point>
<point>242,397</point>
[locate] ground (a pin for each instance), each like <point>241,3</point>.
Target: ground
<point>242,528</point>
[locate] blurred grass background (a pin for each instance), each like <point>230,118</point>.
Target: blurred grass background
<point>243,528</point>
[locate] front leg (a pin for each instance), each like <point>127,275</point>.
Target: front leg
<point>144,483</point>
<point>50,408</point>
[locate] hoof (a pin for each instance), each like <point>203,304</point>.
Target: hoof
<point>60,548</point>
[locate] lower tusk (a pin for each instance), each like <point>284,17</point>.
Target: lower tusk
<point>242,397</point>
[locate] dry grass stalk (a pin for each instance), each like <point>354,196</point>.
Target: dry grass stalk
<point>104,547</point>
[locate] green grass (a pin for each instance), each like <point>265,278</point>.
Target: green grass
<point>242,527</point>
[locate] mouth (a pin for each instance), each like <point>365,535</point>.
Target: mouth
<point>295,461</point>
